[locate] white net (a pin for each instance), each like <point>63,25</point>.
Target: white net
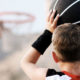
<point>15,27</point>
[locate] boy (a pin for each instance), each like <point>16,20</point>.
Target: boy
<point>66,46</point>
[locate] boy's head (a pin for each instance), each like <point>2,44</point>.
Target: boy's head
<point>66,42</point>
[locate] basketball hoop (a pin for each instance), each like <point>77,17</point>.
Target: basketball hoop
<point>15,24</point>
<point>16,20</point>
<point>29,17</point>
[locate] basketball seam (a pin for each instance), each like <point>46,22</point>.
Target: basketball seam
<point>69,7</point>
<point>55,4</point>
<point>76,22</point>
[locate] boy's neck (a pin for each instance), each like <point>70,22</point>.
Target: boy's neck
<point>73,68</point>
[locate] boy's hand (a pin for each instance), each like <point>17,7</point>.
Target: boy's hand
<point>51,22</point>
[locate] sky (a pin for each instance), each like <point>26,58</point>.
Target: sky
<point>34,7</point>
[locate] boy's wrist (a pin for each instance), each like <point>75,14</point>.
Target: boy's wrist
<point>50,30</point>
<point>44,40</point>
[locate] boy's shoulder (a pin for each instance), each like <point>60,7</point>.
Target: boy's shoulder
<point>54,75</point>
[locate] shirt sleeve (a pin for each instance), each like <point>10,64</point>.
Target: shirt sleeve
<point>52,72</point>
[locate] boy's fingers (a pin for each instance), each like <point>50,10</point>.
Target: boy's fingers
<point>52,16</point>
<point>49,15</point>
<point>56,20</point>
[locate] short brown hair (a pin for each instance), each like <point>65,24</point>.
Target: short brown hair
<point>66,41</point>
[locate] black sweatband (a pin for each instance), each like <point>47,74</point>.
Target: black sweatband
<point>42,43</point>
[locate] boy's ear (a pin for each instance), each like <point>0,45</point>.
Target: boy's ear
<point>56,59</point>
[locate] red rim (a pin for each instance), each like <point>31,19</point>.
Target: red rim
<point>30,18</point>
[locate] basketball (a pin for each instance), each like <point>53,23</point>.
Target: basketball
<point>69,11</point>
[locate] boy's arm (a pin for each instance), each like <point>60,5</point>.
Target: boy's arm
<point>29,67</point>
<point>29,60</point>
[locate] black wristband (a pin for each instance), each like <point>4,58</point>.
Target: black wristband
<point>42,43</point>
